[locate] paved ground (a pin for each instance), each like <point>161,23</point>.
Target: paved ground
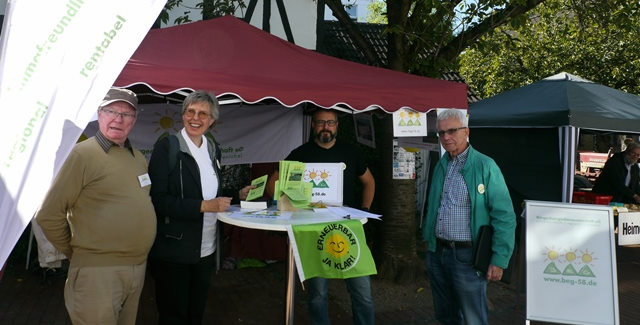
<point>256,296</point>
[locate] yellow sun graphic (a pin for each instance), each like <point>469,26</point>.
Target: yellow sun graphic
<point>168,120</point>
<point>337,245</point>
<point>315,174</point>
<point>587,257</point>
<point>570,256</point>
<point>551,254</point>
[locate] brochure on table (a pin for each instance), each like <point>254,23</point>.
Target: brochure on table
<point>291,185</point>
<point>570,263</point>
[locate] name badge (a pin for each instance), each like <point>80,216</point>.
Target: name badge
<point>144,180</point>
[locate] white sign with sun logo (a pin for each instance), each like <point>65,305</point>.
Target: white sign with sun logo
<point>570,256</point>
<point>327,182</point>
<point>409,123</point>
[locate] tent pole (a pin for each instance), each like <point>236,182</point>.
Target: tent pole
<point>568,143</point>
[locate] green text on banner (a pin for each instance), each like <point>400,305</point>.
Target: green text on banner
<point>331,250</point>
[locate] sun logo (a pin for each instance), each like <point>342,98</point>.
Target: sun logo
<point>570,256</point>
<point>551,254</point>
<point>337,246</point>
<point>167,121</point>
<point>318,178</point>
<point>587,257</point>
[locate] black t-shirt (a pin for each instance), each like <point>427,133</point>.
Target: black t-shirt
<point>310,152</point>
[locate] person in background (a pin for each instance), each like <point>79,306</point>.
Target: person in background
<point>326,148</point>
<point>626,142</point>
<point>467,191</point>
<point>619,176</point>
<point>99,214</point>
<point>186,194</point>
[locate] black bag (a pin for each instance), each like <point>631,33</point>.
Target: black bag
<point>482,253</point>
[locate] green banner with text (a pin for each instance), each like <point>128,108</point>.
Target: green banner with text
<point>332,250</point>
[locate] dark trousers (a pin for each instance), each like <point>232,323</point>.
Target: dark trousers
<point>181,290</point>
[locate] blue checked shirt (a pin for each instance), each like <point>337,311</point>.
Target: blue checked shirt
<point>454,213</point>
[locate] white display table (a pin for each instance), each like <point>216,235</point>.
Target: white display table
<point>301,217</point>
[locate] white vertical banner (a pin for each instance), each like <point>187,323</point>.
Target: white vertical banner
<point>58,59</point>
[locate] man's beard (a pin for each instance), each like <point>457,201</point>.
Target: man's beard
<point>629,160</point>
<point>325,136</point>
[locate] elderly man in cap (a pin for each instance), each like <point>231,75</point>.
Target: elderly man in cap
<point>98,212</point>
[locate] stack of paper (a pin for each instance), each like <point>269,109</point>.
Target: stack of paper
<point>257,205</point>
<point>291,184</point>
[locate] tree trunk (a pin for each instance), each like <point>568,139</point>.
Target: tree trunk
<point>397,45</point>
<point>396,242</point>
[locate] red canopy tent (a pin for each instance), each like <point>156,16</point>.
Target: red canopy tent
<point>230,57</point>
<point>234,59</point>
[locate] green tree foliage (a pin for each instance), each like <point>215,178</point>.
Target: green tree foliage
<point>209,9</point>
<point>595,39</point>
<point>377,12</point>
<point>425,37</point>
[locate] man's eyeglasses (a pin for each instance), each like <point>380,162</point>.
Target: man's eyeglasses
<point>192,112</point>
<point>450,131</point>
<point>327,122</point>
<point>114,114</point>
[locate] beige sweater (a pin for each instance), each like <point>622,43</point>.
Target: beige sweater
<point>96,212</point>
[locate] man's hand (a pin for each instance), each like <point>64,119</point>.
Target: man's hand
<point>242,194</point>
<point>494,273</point>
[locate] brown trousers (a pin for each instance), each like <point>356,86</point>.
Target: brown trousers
<point>104,294</point>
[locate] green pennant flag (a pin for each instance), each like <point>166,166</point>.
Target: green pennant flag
<point>336,250</point>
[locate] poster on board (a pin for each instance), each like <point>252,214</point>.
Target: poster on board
<point>570,263</point>
<point>365,133</point>
<point>326,179</point>
<point>404,163</point>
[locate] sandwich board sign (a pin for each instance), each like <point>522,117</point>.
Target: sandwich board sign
<point>571,263</point>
